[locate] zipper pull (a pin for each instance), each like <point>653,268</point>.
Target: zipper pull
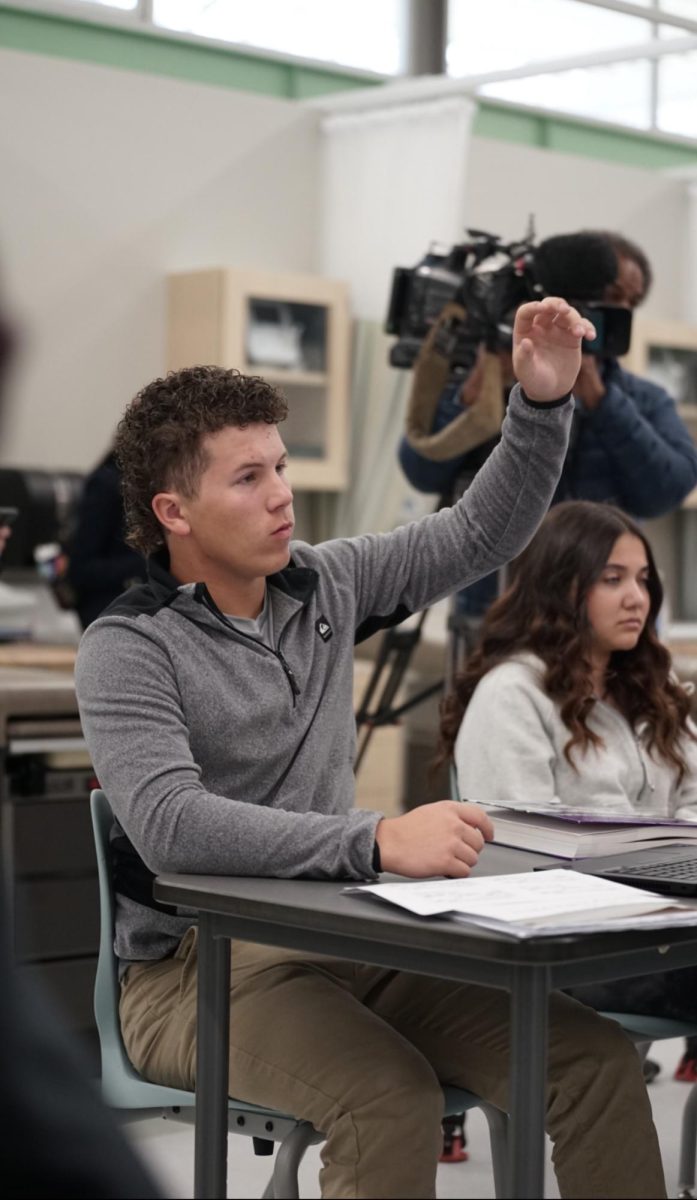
<point>289,675</point>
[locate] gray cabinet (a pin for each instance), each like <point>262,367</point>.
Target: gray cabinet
<point>51,895</point>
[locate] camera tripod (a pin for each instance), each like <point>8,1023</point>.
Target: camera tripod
<point>393,659</point>
<point>377,707</point>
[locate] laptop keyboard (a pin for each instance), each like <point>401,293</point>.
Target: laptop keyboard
<point>687,869</point>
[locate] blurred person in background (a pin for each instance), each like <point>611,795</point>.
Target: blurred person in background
<point>57,1139</point>
<point>100,563</point>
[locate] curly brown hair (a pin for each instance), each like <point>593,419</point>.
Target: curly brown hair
<point>544,611</point>
<point>160,440</point>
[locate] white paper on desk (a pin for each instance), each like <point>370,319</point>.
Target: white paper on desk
<point>534,902</point>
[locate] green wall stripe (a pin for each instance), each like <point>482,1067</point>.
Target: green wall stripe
<point>573,136</point>
<point>631,149</point>
<point>89,41</point>
<point>508,125</point>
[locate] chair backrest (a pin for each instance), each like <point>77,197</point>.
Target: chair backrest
<point>121,1084</point>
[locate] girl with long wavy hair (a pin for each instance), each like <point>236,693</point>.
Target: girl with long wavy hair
<point>570,698</point>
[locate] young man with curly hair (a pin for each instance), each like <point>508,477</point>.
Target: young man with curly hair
<point>217,705</point>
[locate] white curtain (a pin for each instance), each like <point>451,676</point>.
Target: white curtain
<point>378,497</point>
<point>392,181</point>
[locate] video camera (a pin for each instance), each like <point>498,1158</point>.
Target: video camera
<point>489,279</point>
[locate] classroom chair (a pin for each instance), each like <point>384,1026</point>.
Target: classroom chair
<point>123,1087</point>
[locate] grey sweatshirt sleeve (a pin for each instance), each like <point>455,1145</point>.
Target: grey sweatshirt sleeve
<point>135,728</point>
<point>419,563</point>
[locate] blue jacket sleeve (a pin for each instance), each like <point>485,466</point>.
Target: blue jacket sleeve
<point>647,442</point>
<point>426,475</point>
<point>423,473</point>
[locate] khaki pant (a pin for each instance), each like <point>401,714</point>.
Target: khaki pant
<point>361,1052</point>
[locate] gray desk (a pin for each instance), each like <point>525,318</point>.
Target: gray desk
<point>305,915</point>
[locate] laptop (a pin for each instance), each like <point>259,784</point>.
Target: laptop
<point>668,869</point>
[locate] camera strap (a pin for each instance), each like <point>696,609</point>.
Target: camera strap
<point>477,423</point>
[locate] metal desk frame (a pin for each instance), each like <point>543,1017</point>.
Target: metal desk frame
<point>317,917</point>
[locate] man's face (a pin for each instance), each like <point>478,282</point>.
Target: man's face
<point>240,521</point>
<point>628,288</point>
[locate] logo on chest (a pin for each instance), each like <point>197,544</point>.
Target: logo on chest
<point>323,628</point>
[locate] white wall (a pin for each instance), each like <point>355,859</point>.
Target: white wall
<point>369,183</point>
<point>565,193</point>
<point>110,179</point>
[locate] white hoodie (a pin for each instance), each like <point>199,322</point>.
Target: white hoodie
<point>510,747</point>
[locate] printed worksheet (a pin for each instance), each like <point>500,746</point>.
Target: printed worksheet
<point>536,902</point>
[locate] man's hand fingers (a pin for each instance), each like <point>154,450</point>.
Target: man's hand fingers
<point>457,869</point>
<point>570,322</point>
<point>464,853</point>
<point>469,836</point>
<point>551,306</point>
<point>474,814</point>
<point>445,838</point>
<point>550,312</point>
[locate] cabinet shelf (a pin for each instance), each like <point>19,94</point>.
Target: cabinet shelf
<point>281,376</point>
<point>293,330</point>
<point>666,352</point>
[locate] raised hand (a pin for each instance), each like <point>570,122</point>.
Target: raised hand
<point>547,337</point>
<point>445,838</point>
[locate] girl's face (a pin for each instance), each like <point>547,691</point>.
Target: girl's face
<point>618,604</point>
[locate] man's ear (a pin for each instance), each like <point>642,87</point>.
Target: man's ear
<point>167,507</point>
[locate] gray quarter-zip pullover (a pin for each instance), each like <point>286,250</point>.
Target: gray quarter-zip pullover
<point>220,755</point>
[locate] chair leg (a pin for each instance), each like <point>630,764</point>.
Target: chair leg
<point>688,1145</point>
<point>498,1137</point>
<point>283,1184</point>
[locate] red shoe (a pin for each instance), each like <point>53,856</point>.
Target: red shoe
<point>453,1149</point>
<point>686,1070</point>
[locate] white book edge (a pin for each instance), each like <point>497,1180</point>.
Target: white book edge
<point>546,835</point>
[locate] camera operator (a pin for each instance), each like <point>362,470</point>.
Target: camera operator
<point>629,446</point>
<point>629,288</point>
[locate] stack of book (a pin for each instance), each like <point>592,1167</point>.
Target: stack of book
<point>569,833</point>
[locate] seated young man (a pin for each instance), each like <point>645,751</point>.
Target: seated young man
<point>217,705</point>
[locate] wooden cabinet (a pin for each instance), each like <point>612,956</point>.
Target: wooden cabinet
<point>666,352</point>
<point>291,329</point>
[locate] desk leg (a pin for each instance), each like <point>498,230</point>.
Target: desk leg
<point>526,1145</point>
<point>212,1052</point>
<point>7,853</point>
